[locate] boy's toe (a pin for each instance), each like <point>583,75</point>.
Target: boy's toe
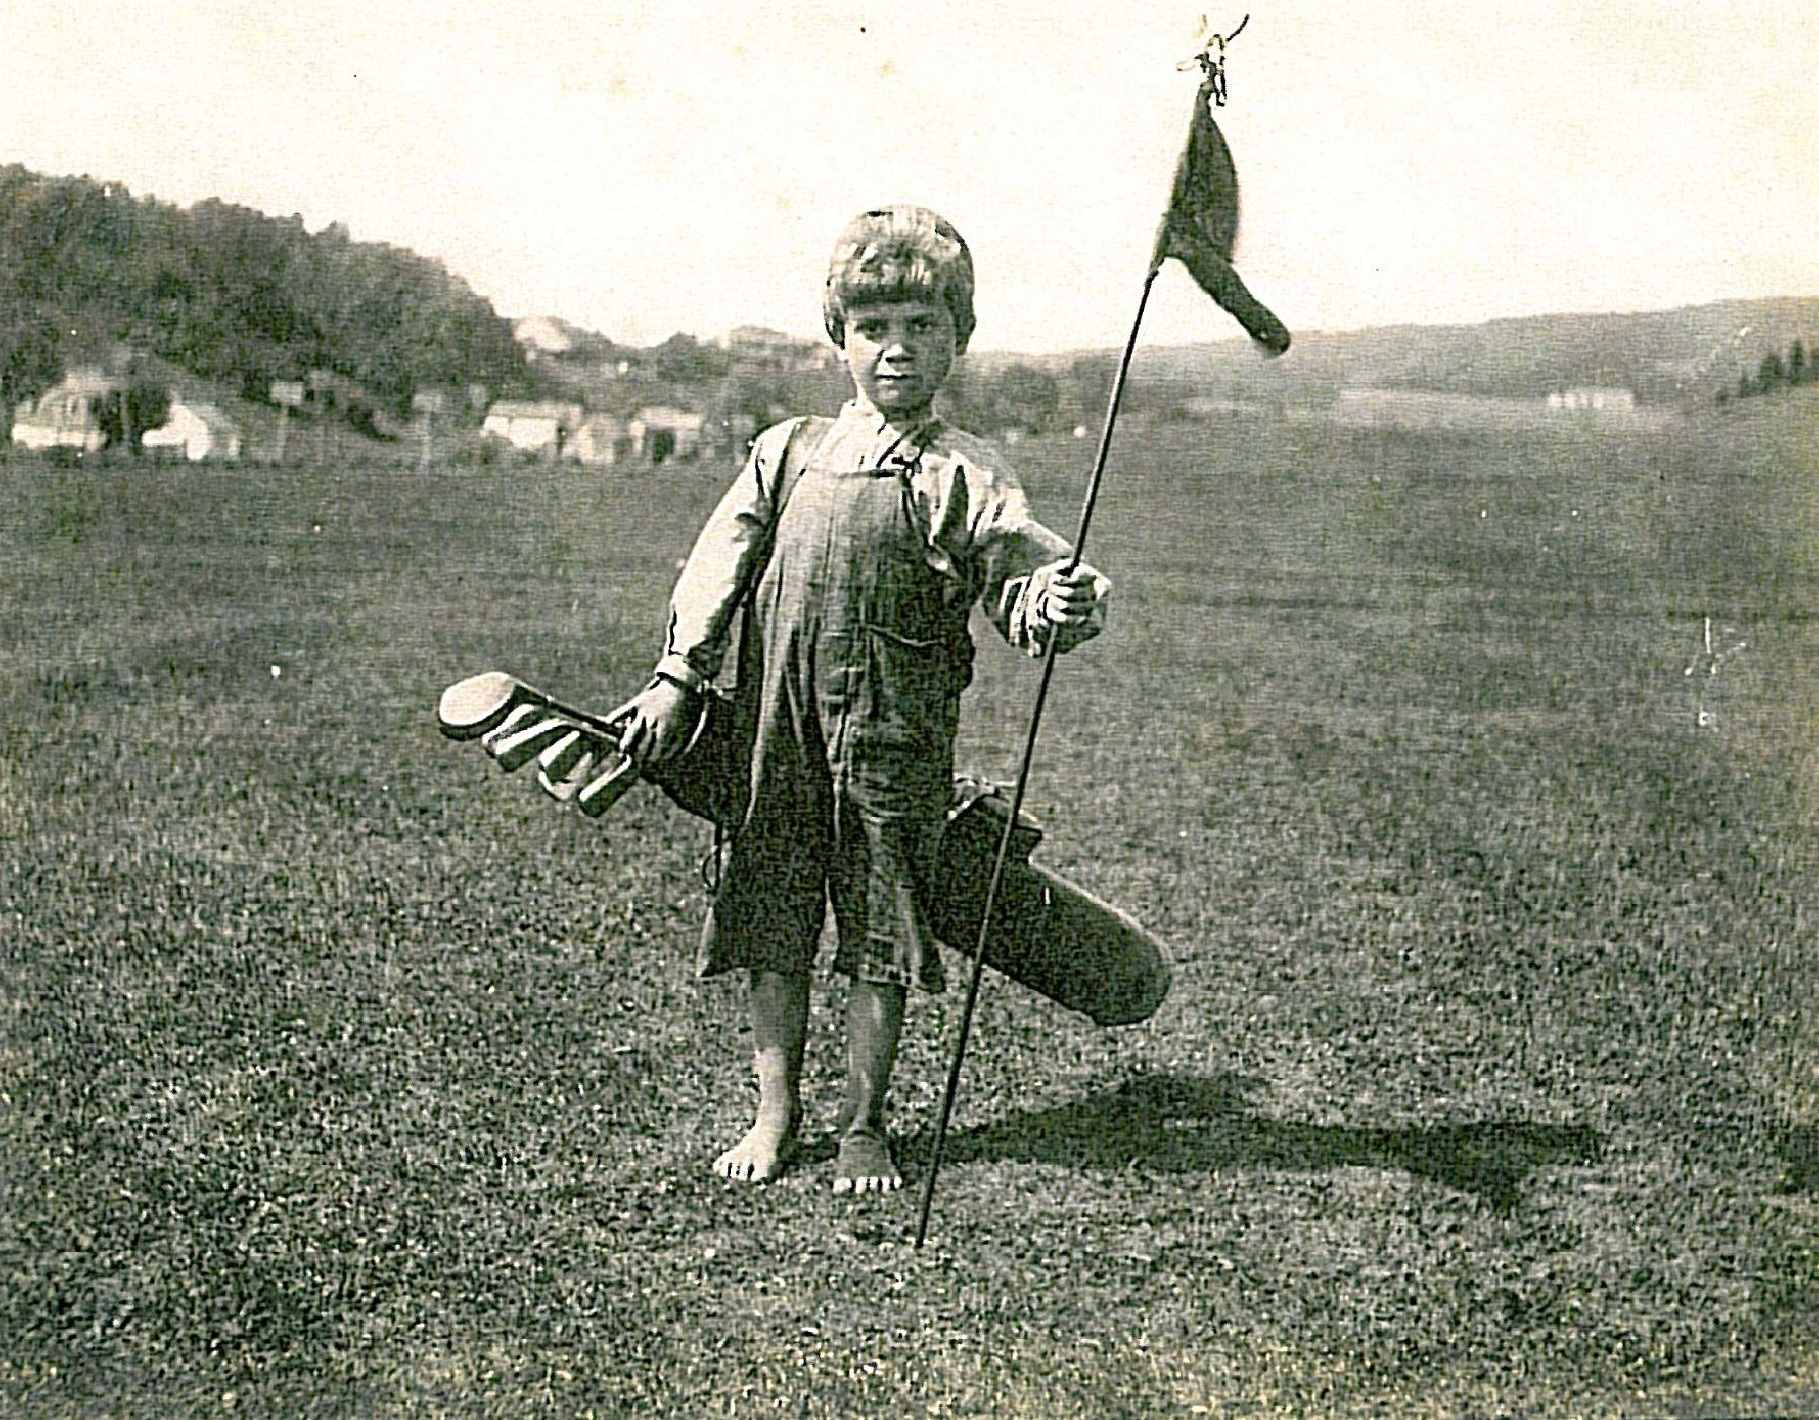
<point>762,1155</point>
<point>864,1165</point>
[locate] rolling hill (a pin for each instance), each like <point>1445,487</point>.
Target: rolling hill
<point>1666,357</point>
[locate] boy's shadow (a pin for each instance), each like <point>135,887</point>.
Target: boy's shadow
<point>1182,1124</point>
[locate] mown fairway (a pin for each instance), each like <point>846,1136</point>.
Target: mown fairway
<point>342,1076</point>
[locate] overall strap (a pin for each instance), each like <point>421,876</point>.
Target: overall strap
<point>807,433</point>
<point>806,436</point>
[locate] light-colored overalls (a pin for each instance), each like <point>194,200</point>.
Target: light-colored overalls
<point>864,655</point>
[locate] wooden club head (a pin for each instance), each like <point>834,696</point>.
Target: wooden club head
<point>471,708</point>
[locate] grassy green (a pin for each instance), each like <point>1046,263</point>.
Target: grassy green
<point>342,1076</point>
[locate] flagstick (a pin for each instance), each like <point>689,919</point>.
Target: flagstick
<point>1023,772</point>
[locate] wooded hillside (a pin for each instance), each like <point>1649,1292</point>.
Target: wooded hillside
<point>230,294</point>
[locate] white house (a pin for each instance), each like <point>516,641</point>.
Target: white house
<point>599,439</point>
<point>1593,397</point>
<point>198,431</point>
<point>69,415</point>
<point>662,432</point>
<point>533,426</point>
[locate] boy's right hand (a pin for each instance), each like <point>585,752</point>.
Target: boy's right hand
<point>657,722</point>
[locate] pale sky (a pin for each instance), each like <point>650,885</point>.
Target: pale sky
<point>641,169</point>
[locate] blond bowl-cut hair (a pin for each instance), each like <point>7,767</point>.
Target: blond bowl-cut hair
<point>899,253</point>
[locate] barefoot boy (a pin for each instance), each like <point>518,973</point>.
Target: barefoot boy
<point>891,526</point>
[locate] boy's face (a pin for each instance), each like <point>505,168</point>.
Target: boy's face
<point>899,352</point>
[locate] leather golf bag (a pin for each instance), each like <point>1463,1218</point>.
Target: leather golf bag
<point>1047,933</point>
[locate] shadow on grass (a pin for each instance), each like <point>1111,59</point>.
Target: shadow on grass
<point>1180,1124</point>
<point>1799,1150</point>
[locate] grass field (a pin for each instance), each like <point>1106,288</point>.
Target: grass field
<point>342,1076</point>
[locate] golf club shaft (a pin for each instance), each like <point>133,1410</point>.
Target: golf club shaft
<point>1023,771</point>
<point>527,695</point>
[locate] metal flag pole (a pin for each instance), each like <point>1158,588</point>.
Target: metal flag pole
<point>1199,229</point>
<point>1023,771</point>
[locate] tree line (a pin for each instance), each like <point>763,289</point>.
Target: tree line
<point>985,397</point>
<point>1773,374</point>
<point>245,300</point>
<point>230,294</point>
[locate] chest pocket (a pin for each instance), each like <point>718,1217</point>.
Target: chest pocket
<point>914,610</point>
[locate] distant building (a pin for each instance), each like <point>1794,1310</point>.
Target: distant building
<point>729,436</point>
<point>1373,408</point>
<point>198,431</point>
<point>1593,397</point>
<point>662,432</point>
<point>1211,406</point>
<point>599,440</point>
<point>533,426</point>
<point>451,401</point>
<point>329,389</point>
<point>69,415</point>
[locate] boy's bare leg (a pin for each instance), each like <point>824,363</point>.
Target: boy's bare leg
<point>874,1021</point>
<point>779,1027</point>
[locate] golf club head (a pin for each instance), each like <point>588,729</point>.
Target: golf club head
<point>562,759</point>
<point>563,791</point>
<point>539,731</point>
<point>480,706</point>
<point>600,794</point>
<point>475,707</point>
<point>516,723</point>
<point>589,790</point>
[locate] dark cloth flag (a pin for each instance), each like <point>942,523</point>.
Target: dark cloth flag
<point>1201,226</point>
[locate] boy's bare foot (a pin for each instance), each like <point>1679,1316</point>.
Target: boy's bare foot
<point>763,1154</point>
<point>865,1165</point>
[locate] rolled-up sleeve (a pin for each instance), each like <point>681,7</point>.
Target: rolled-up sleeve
<point>981,524</point>
<point>727,554</point>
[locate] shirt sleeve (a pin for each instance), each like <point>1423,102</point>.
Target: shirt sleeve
<point>980,519</point>
<point>727,554</point>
